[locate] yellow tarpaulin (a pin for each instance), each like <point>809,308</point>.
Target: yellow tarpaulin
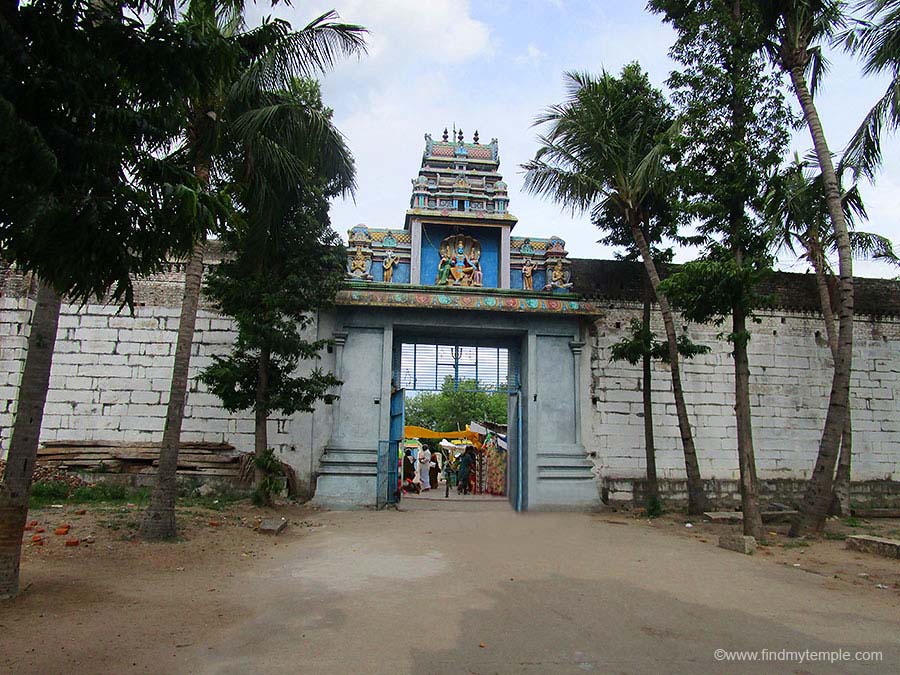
<point>422,432</point>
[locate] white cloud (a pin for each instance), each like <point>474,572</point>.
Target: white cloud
<point>431,64</point>
<point>412,31</point>
<point>532,56</point>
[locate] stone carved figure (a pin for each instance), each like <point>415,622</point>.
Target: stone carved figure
<point>360,265</point>
<point>528,268</point>
<point>560,277</point>
<point>460,263</point>
<point>389,263</point>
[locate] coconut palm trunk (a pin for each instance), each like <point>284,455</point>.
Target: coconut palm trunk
<point>696,496</point>
<point>16,487</point>
<point>159,518</point>
<point>841,502</point>
<point>819,493</point>
<point>649,443</point>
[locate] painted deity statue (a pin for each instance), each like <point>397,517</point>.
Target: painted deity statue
<point>477,276</point>
<point>359,265</point>
<point>559,278</point>
<point>389,263</point>
<point>443,275</point>
<point>528,274</point>
<point>460,263</point>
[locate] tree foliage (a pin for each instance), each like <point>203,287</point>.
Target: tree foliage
<point>641,340</point>
<point>876,38</point>
<point>736,129</point>
<point>453,407</point>
<point>85,200</point>
<point>272,305</point>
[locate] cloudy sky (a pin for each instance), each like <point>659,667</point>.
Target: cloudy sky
<point>493,65</point>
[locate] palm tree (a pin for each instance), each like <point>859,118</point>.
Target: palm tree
<point>80,188</point>
<point>877,40</point>
<point>606,151</point>
<point>797,212</point>
<point>225,107</point>
<point>283,206</point>
<point>797,26</point>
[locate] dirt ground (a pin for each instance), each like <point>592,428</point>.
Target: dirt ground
<point>828,556</point>
<point>436,588</point>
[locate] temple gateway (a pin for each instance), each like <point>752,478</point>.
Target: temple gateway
<point>454,294</point>
<point>455,297</point>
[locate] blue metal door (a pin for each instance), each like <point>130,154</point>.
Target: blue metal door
<point>389,453</point>
<point>515,475</point>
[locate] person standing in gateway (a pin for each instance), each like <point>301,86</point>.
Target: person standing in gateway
<point>425,468</point>
<point>466,464</point>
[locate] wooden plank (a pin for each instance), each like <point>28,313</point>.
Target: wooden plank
<point>876,513</point>
<point>221,473</point>
<point>737,516</point>
<point>200,446</point>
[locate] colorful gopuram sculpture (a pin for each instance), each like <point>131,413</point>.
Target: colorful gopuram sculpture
<point>457,232</point>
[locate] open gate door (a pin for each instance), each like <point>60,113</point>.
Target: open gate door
<point>515,475</point>
<point>389,453</point>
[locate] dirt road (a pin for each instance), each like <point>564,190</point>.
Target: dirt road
<point>430,590</point>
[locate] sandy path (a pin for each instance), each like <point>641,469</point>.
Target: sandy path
<point>432,591</point>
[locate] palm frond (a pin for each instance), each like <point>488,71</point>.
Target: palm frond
<point>304,53</point>
<point>871,246</point>
<point>864,149</point>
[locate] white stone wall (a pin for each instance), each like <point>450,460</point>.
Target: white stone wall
<point>111,376</point>
<point>15,326</point>
<point>791,370</point>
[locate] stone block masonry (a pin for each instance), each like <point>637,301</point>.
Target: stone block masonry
<point>791,369</point>
<point>112,371</point>
<point>111,375</point>
<point>888,548</point>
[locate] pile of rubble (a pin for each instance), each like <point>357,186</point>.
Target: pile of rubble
<point>50,474</point>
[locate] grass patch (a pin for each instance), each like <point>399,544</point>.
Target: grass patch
<point>654,508</point>
<point>853,521</point>
<point>44,493</point>
<point>835,536</point>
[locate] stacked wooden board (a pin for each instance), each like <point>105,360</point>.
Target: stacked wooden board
<point>216,460</point>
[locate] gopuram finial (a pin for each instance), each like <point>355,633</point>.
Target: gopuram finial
<point>459,136</point>
<point>445,134</point>
<point>475,137</point>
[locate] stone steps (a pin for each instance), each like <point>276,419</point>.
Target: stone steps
<point>564,466</point>
<point>348,462</point>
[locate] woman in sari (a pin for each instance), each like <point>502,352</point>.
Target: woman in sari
<point>466,466</point>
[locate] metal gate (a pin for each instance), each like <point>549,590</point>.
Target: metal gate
<point>472,365</point>
<point>515,474</point>
<point>388,473</point>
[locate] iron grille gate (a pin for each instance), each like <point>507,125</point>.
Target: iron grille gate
<point>429,366</point>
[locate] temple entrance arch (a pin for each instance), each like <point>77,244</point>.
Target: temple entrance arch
<point>465,296</point>
<point>471,363</point>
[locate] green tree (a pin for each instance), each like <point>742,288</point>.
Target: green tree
<point>735,124</point>
<point>282,265</point>
<point>796,29</point>
<point>641,346</point>
<point>84,201</point>
<point>225,110</point>
<point>453,407</point>
<point>607,150</point>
